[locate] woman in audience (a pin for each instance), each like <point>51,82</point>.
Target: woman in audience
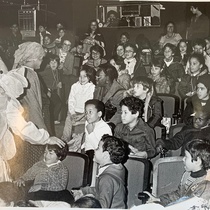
<point>161,84</point>
<point>96,57</point>
<point>201,100</point>
<point>61,37</point>
<point>173,70</point>
<point>187,85</point>
<point>170,36</point>
<point>133,66</point>
<point>183,51</point>
<point>93,37</point>
<point>118,56</point>
<point>41,33</point>
<point>109,91</point>
<point>207,40</point>
<point>124,38</point>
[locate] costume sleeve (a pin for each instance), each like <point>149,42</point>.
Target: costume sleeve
<point>156,114</point>
<point>72,99</point>
<point>26,130</point>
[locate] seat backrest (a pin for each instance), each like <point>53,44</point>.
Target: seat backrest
<point>138,177</point>
<point>167,174</point>
<point>77,165</point>
<point>170,104</point>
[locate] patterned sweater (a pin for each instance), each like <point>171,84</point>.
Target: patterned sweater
<point>52,178</point>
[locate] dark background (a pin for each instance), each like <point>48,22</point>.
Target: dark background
<point>76,14</point>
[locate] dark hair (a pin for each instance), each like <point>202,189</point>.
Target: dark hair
<point>52,57</point>
<point>133,46</point>
<point>86,202</point>
<point>199,57</point>
<point>200,42</point>
<point>97,48</point>
<point>134,104</point>
<point>10,192</point>
<point>116,147</point>
<point>99,105</point>
<point>145,81</point>
<point>156,62</point>
<point>171,46</point>
<point>199,148</point>
<point>109,71</point>
<point>125,34</point>
<point>49,36</point>
<point>189,48</point>
<point>90,72</point>
<point>200,6</point>
<point>89,29</point>
<point>61,152</point>
<point>170,22</point>
<point>112,12</point>
<point>205,80</point>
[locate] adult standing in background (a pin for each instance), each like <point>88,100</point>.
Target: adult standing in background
<point>199,25</point>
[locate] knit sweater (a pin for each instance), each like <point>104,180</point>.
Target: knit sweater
<point>52,178</point>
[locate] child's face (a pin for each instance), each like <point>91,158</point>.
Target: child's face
<point>123,39</point>
<point>193,9</point>
<point>83,79</point>
<point>207,44</point>
<point>47,40</point>
<point>53,64</point>
<point>79,49</point>
<point>195,65</point>
<point>198,49</point>
<point>92,114</point>
<point>101,78</point>
<point>138,90</point>
<point>183,47</point>
<point>61,33</point>
<point>126,115</point>
<point>120,51</point>
<point>99,154</point>
<point>202,91</point>
<point>190,165</point>
<point>168,53</point>
<point>129,52</point>
<point>95,55</point>
<point>41,29</point>
<point>155,71</point>
<point>50,156</point>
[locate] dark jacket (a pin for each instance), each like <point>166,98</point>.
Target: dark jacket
<point>188,83</point>
<point>194,103</point>
<point>187,134</point>
<point>141,137</point>
<point>155,111</point>
<point>110,187</point>
<point>173,72</point>
<point>139,69</point>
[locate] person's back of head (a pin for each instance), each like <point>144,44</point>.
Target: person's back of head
<point>199,149</point>
<point>86,202</point>
<point>117,148</point>
<point>134,105</point>
<point>146,82</point>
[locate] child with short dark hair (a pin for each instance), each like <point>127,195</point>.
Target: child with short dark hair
<point>197,162</point>
<point>110,183</point>
<point>50,176</point>
<point>134,130</point>
<point>87,202</point>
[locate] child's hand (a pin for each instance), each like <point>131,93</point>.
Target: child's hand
<point>152,198</point>
<point>77,194</point>
<point>20,182</point>
<point>90,127</point>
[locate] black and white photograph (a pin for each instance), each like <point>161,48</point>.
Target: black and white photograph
<point>105,104</point>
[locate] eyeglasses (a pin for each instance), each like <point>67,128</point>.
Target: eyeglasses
<point>66,44</point>
<point>129,51</point>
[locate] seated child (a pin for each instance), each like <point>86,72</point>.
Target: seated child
<point>161,84</point>
<point>200,100</point>
<point>140,137</point>
<point>81,91</point>
<point>171,68</point>
<point>197,68</point>
<point>110,182</point>
<point>143,89</point>
<point>193,183</point>
<point>95,127</point>
<point>87,202</point>
<point>50,176</point>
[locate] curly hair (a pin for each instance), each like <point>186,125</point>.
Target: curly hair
<point>134,104</point>
<point>99,105</point>
<point>199,57</point>
<point>61,152</point>
<point>97,48</point>
<point>199,148</point>
<point>116,147</point>
<point>171,46</point>
<point>146,82</point>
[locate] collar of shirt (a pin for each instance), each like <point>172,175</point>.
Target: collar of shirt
<point>49,165</point>
<point>168,63</point>
<point>103,168</point>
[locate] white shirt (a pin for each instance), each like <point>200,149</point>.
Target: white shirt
<point>130,65</point>
<point>79,94</point>
<point>92,139</point>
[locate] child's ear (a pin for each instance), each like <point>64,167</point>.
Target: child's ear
<point>134,54</point>
<point>106,155</point>
<point>100,113</point>
<point>137,114</point>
